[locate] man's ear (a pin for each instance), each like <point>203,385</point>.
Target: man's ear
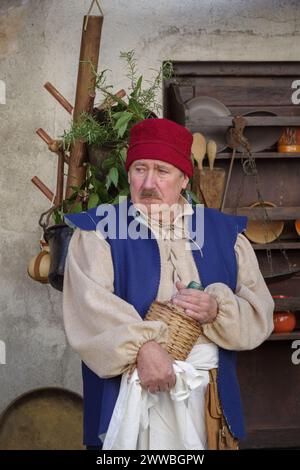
<point>128,177</point>
<point>185,181</point>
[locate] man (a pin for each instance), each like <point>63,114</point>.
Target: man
<point>111,281</point>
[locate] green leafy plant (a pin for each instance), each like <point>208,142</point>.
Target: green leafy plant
<point>109,127</point>
<point>113,124</point>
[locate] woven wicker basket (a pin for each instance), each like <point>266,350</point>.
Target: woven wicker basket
<point>183,330</point>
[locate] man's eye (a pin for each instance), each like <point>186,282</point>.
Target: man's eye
<point>163,171</point>
<point>139,169</point>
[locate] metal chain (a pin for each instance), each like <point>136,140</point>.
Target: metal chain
<point>241,187</point>
<point>250,169</point>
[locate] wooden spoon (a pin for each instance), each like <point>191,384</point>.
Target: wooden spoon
<point>212,179</point>
<point>211,153</point>
<point>199,148</point>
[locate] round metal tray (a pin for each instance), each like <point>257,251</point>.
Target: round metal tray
<point>44,418</point>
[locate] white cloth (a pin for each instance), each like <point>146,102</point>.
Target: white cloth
<point>165,420</point>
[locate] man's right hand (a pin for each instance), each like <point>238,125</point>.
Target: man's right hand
<point>155,368</point>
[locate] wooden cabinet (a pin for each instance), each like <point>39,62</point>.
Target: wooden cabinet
<point>270,382</point>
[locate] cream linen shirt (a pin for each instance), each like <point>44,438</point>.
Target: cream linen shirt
<point>107,332</point>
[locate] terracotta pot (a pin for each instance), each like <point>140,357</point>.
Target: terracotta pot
<point>289,141</point>
<point>284,322</point>
<point>297,226</point>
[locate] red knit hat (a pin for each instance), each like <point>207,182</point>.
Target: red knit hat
<point>161,139</point>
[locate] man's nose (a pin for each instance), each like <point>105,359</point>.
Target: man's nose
<point>149,181</point>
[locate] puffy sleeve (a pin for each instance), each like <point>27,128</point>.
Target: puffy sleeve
<point>245,317</point>
<point>106,331</point>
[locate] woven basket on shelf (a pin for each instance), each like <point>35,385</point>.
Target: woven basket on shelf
<point>183,330</point>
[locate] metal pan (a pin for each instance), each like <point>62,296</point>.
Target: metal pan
<point>206,106</point>
<point>261,138</point>
<point>45,418</point>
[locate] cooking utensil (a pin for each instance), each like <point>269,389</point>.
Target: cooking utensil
<point>212,179</point>
<point>208,181</point>
<point>198,150</point>
<point>260,231</point>
<point>228,180</point>
<point>205,106</point>
<point>260,138</point>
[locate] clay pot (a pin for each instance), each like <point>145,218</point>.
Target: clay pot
<point>289,141</point>
<point>297,226</point>
<point>284,322</point>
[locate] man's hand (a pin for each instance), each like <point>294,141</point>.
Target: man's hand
<point>155,368</point>
<point>197,304</point>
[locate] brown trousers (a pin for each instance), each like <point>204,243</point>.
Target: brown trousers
<point>218,435</point>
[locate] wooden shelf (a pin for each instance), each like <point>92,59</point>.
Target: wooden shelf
<point>277,246</point>
<point>259,155</point>
<point>245,88</point>
<point>274,213</point>
<point>291,303</point>
<point>262,121</point>
<point>284,336</point>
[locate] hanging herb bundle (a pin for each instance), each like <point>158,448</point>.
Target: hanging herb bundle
<point>107,128</point>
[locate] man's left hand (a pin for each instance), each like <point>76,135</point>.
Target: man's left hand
<point>197,304</point>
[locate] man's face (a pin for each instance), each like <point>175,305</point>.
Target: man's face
<point>155,182</point>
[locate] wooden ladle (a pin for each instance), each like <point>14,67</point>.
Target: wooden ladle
<point>199,148</point>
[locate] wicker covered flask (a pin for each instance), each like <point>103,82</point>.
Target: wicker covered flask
<point>183,330</point>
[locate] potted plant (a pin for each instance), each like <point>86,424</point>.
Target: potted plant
<point>106,133</point>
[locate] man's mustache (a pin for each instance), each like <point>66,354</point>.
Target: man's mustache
<point>149,194</point>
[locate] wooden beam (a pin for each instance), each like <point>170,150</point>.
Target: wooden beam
<point>53,145</point>
<point>85,95</point>
<point>44,136</point>
<point>59,195</point>
<point>59,97</point>
<point>43,188</point>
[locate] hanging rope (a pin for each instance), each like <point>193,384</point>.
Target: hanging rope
<point>89,12</point>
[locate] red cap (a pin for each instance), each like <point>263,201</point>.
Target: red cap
<point>161,139</point>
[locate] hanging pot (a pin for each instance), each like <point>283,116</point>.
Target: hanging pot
<point>58,237</point>
<point>96,156</point>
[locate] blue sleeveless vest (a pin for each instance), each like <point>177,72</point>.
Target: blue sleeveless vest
<point>137,276</point>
